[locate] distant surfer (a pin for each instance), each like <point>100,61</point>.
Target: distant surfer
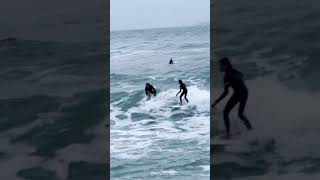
<point>233,79</point>
<point>184,90</point>
<point>171,61</point>
<point>150,90</point>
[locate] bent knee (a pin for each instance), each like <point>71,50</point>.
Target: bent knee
<point>241,115</point>
<point>226,112</point>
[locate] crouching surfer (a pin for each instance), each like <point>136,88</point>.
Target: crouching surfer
<point>233,79</point>
<point>184,90</point>
<point>150,90</point>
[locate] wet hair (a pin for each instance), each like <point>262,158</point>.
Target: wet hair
<point>147,84</point>
<point>225,61</point>
<point>180,81</point>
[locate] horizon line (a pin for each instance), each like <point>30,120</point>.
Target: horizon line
<point>164,27</point>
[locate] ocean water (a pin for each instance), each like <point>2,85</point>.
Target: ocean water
<point>275,44</point>
<point>153,139</point>
<point>52,110</point>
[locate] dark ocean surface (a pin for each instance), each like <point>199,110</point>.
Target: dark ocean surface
<point>275,44</point>
<point>53,68</point>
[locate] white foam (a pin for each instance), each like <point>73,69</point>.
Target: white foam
<point>205,167</point>
<point>130,137</point>
<point>284,119</point>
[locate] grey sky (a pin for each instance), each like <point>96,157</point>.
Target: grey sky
<point>141,14</point>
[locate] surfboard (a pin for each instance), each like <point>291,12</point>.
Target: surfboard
<point>175,107</point>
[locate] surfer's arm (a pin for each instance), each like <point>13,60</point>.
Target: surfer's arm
<point>223,95</point>
<point>145,90</point>
<point>155,92</point>
<point>179,92</point>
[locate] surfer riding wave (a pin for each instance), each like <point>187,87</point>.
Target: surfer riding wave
<point>234,79</point>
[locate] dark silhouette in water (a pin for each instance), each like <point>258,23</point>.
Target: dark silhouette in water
<point>171,61</point>
<point>149,89</point>
<point>184,90</point>
<point>234,79</point>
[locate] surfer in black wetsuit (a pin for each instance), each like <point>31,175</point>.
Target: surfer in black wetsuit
<point>184,90</point>
<point>233,79</point>
<point>149,89</point>
<point>171,61</point>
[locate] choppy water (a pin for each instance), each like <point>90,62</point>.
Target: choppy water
<point>47,126</point>
<point>153,139</point>
<point>276,45</point>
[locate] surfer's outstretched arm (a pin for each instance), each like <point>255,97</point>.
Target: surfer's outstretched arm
<point>223,95</point>
<point>179,92</point>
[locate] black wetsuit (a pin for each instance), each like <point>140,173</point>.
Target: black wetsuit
<point>150,90</point>
<point>234,79</point>
<point>184,89</point>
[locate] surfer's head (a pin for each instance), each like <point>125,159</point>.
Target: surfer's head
<point>225,64</point>
<point>147,84</point>
<point>180,82</point>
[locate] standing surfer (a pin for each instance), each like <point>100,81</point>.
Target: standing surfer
<point>149,89</point>
<point>233,79</point>
<point>184,90</point>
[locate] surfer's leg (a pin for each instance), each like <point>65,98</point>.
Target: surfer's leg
<point>230,104</point>
<point>243,102</point>
<point>181,97</point>
<point>185,97</point>
<point>148,96</point>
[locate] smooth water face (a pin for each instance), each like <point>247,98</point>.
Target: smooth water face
<point>157,139</point>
